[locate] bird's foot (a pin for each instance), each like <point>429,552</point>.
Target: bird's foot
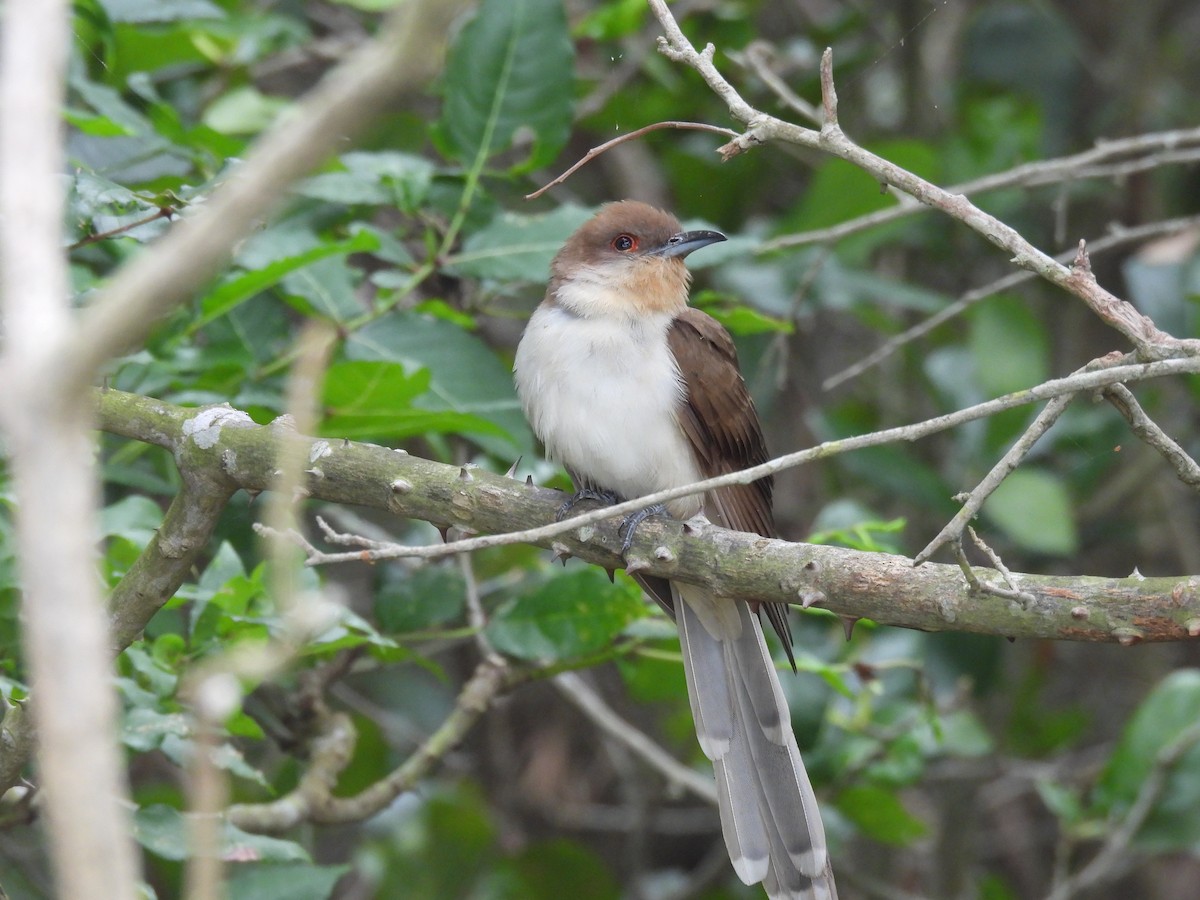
<point>607,498</point>
<point>630,523</point>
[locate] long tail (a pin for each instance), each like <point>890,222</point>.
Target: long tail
<point>769,814</point>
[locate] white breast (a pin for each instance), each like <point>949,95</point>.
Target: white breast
<point>601,394</point>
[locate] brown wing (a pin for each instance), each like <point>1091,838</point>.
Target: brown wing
<point>721,424</point>
<point>720,421</point>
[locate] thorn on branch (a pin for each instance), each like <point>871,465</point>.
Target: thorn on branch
<point>808,599</point>
<point>848,623</point>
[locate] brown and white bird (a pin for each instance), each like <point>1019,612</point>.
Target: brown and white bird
<point>633,392</point>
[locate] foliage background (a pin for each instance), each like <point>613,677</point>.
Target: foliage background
<point>952,765</point>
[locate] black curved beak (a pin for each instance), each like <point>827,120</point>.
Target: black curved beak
<point>685,242</point>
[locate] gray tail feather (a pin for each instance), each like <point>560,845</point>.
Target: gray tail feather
<point>769,813</point>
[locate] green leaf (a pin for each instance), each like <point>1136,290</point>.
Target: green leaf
<point>163,831</point>
<point>517,247</point>
<point>391,178</point>
<point>145,729</point>
<point>739,319</point>
<point>1009,345</point>
<point>283,882</point>
<point>554,869</point>
<point>134,518</point>
<point>880,815</point>
<point>568,616</point>
<point>379,388</point>
<point>511,67</point>
<point>424,598</point>
<point>1033,508</point>
<point>367,399</point>
<point>237,289</point>
<point>1169,714</point>
<point>244,110</point>
<point>465,376</point>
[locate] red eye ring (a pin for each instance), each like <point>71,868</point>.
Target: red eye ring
<point>624,243</point>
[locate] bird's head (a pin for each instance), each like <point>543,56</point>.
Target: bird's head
<point>627,260</point>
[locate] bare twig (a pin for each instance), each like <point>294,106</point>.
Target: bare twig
<point>591,704</point>
<point>632,135</point>
<point>1152,151</point>
<point>1150,341</point>
<point>1013,592</point>
<point>163,212</point>
<point>1148,430</point>
<point>313,799</point>
<point>757,58</point>
<point>1118,237</point>
<point>974,500</point>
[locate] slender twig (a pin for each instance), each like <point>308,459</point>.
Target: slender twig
<point>756,58</point>
<point>1013,592</point>
<point>313,800</point>
<point>632,135</point>
<point>1150,341</point>
<point>84,795</point>
<point>974,500</point>
<point>1118,237</point>
<point>1157,149</point>
<point>163,212</point>
<point>591,704</point>
<point>1149,431</point>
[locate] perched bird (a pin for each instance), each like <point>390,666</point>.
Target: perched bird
<point>633,392</point>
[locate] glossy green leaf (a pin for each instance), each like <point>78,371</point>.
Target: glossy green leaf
<point>465,375</point>
<point>511,67</point>
<point>369,399</point>
<point>391,178</point>
<point>571,615</point>
<point>235,290</point>
<point>1032,507</point>
<point>518,247</point>
<point>1164,726</point>
<point>244,111</point>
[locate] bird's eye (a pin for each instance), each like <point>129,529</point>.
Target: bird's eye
<point>624,243</point>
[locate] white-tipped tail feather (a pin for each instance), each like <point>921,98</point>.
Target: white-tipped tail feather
<point>768,811</point>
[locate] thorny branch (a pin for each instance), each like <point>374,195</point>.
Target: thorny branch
<point>1151,343</point>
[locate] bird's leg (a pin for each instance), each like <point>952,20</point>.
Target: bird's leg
<point>630,523</point>
<point>607,498</point>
